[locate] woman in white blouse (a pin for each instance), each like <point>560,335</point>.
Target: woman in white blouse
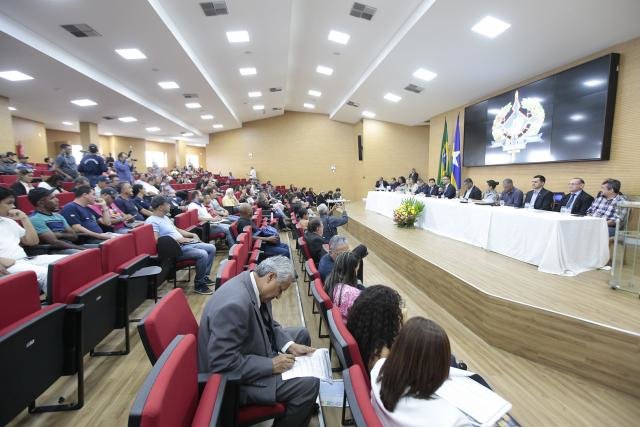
<point>403,385</point>
<point>490,193</point>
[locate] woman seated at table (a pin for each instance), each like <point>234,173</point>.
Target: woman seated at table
<point>374,321</point>
<point>403,385</point>
<point>402,184</point>
<point>342,285</point>
<point>490,194</point>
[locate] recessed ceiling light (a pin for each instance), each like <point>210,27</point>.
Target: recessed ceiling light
<point>217,126</point>
<point>84,102</point>
<point>12,108</point>
<point>130,53</point>
<point>168,85</point>
<point>593,82</point>
<point>152,129</point>
<point>187,134</point>
<point>206,116</point>
<point>192,105</point>
<point>309,105</point>
<point>324,70</point>
<point>577,117</point>
<point>424,74</point>
<point>127,119</point>
<point>368,114</point>
<point>108,134</point>
<point>238,36</point>
<point>248,71</point>
<point>315,93</point>
<point>339,37</point>
<point>490,27</point>
<point>392,97</point>
<point>15,76</point>
<point>258,107</point>
<point>67,123</point>
<point>255,94</point>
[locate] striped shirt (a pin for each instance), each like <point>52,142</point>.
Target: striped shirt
<point>606,208</point>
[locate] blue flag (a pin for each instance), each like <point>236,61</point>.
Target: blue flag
<point>456,166</point>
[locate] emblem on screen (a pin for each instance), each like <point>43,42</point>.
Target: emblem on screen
<point>518,124</point>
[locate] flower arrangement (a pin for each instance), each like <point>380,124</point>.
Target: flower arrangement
<point>409,210</point>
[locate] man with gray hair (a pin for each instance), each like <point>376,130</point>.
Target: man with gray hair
<point>337,245</point>
<point>239,336</point>
<point>330,222</point>
<point>511,196</point>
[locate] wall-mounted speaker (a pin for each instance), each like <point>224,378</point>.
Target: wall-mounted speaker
<point>360,147</point>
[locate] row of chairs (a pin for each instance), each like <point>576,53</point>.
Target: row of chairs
<point>23,203</point>
<point>89,294</point>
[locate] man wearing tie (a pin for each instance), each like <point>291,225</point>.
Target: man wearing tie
<point>578,200</point>
<point>432,188</point>
<point>381,184</point>
<point>539,197</point>
<point>448,190</point>
<point>238,335</point>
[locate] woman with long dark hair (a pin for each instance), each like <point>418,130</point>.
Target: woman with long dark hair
<point>341,284</point>
<point>403,385</point>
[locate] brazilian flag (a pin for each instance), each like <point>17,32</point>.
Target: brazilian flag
<point>445,166</point>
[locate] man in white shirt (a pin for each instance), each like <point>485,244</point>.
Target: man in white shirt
<point>149,189</point>
<point>204,216</point>
<point>253,176</point>
<point>13,258</point>
<point>103,182</point>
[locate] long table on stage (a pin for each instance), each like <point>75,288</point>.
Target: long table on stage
<point>556,243</point>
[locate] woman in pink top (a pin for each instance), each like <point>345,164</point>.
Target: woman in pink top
<point>341,284</point>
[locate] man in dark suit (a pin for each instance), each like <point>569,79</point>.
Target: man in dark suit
<point>381,183</point>
<point>448,191</point>
<point>578,200</point>
<point>238,335</point>
<point>313,237</point>
<point>539,197</point>
<point>413,175</point>
<point>432,188</point>
<point>23,184</point>
<point>471,191</point>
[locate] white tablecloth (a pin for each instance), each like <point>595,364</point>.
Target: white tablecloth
<point>556,243</point>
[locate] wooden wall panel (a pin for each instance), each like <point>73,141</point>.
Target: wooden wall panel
<point>32,136</point>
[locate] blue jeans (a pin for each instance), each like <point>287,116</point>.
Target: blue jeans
<point>271,249</point>
<point>203,253</point>
<point>223,228</point>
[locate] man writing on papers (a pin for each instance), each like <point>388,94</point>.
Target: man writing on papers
<point>238,335</point>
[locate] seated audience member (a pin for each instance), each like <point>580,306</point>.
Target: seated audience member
<point>85,220</point>
<point>101,183</point>
<point>80,180</point>
<point>197,203</point>
<point>511,196</point>
<point>578,200</point>
<point>271,245</point>
<point>337,245</point>
<point>381,184</point>
<point>374,321</point>
<point>470,190</point>
<point>393,184</point>
<point>229,200</point>
<point>539,197</point>
<point>215,209</point>
<point>303,217</point>
<point>118,218</point>
<point>51,227</point>
<point>165,187</point>
<point>337,194</point>
<point>126,203</point>
<point>342,284</point>
<point>54,182</point>
<point>13,258</point>
<point>448,190</point>
<point>402,184</point>
<point>23,184</point>
<point>422,187</point>
<point>403,384</point>
<point>360,252</point>
<point>114,180</point>
<point>313,237</point>
<point>230,341</point>
<point>490,194</point>
<point>139,199</point>
<point>23,163</point>
<point>606,204</point>
<point>192,247</point>
<point>49,162</point>
<point>147,184</point>
<point>263,202</point>
<point>433,189</point>
<point>412,186</point>
<point>331,222</point>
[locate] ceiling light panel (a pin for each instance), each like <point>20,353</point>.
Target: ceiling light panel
<point>84,102</point>
<point>12,108</point>
<point>67,123</point>
<point>392,97</point>
<point>258,107</point>
<point>368,114</point>
<point>127,119</point>
<point>255,94</point>
<point>238,36</point>
<point>315,93</point>
<point>217,126</point>
<point>15,76</point>
<point>206,116</point>
<point>327,71</point>
<point>168,85</point>
<point>192,105</point>
<point>490,27</point>
<point>424,74</point>
<point>309,105</point>
<point>338,37</point>
<point>248,71</point>
<point>152,129</point>
<point>131,53</point>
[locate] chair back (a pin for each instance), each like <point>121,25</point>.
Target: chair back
<point>145,241</point>
<point>234,229</point>
<point>71,273</point>
<point>182,220</point>
<point>118,251</point>
<point>320,296</point>
<point>346,346</point>
<point>226,271</point>
<point>358,392</point>
<point>65,198</point>
<point>23,203</point>
<point>19,297</point>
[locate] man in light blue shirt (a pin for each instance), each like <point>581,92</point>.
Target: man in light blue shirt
<point>123,168</point>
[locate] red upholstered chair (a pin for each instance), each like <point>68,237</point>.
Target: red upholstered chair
<point>359,396</point>
<point>234,229</point>
<point>252,253</point>
<point>167,319</point>
<point>8,179</point>
<point>37,346</point>
<point>311,273</point>
<point>78,279</point>
<point>67,185</point>
<point>306,255</point>
<point>323,303</point>
<point>253,243</point>
<point>170,395</point>
<point>173,316</point>
<point>345,345</point>
<point>226,270</point>
<point>145,240</point>
<point>64,198</point>
<point>182,220</point>
<point>23,203</point>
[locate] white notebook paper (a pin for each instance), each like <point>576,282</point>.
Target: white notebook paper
<point>318,365</point>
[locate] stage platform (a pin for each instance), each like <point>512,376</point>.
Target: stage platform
<point>577,324</point>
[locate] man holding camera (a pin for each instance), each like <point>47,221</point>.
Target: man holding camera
<point>123,167</point>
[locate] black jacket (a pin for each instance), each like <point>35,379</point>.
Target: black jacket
<point>544,201</point>
<point>385,183</point>
<point>449,191</point>
<point>314,243</point>
<point>18,189</point>
<point>580,205</point>
<point>475,193</point>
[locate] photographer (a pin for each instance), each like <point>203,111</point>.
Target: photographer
<point>124,166</point>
